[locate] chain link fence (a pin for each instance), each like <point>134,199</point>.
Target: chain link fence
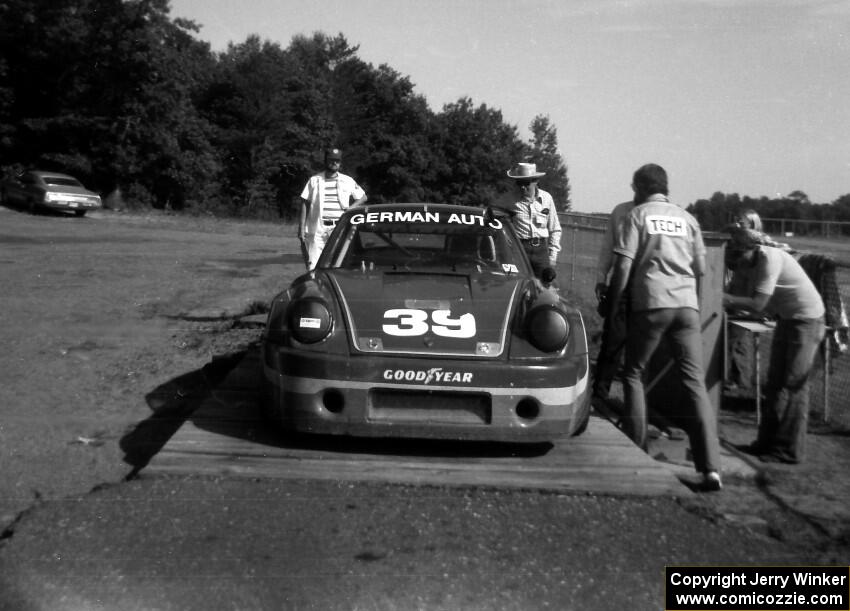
<point>791,228</point>
<point>581,242</point>
<point>831,379</point>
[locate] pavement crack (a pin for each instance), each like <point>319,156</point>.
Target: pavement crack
<point>9,531</point>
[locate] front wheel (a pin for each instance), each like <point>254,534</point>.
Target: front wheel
<point>79,213</point>
<point>32,207</point>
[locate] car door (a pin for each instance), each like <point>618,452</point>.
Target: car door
<point>31,190</point>
<point>14,189</point>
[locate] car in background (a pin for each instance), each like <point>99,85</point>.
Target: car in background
<point>34,189</point>
<point>425,321</point>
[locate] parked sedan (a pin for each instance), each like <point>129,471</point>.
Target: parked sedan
<point>35,189</point>
<point>425,321</point>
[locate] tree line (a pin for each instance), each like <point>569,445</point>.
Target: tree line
<point>127,99</point>
<point>124,97</point>
<point>716,213</point>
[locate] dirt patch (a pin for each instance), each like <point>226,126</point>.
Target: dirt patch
<point>99,312</point>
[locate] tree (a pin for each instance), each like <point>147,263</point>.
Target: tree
<point>275,112</point>
<point>473,149</point>
<point>799,197</point>
<point>716,213</point>
<point>111,99</point>
<point>157,140</point>
<point>250,106</point>
<point>842,206</point>
<point>128,99</point>
<point>45,86</point>
<point>383,128</point>
<point>544,152</point>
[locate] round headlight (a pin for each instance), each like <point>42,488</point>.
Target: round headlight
<point>548,328</point>
<point>310,320</point>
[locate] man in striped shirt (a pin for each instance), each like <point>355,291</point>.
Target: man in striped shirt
<point>326,195</point>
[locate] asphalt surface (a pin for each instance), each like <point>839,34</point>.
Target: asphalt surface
<point>199,543</point>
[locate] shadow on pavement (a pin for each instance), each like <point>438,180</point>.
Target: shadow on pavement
<point>223,398</point>
<point>172,404</point>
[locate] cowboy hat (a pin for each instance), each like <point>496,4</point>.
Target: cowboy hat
<point>525,171</point>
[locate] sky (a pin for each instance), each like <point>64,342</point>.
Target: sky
<point>749,96</point>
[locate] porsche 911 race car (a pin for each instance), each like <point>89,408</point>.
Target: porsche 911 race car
<point>425,321</point>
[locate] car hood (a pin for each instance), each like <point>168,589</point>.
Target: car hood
<point>427,313</point>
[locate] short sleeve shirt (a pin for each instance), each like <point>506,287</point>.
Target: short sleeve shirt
<point>612,231</point>
<point>313,193</point>
<point>539,219</point>
<point>792,292</point>
<point>663,241</point>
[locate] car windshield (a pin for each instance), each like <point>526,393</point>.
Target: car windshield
<point>59,181</point>
<point>446,241</point>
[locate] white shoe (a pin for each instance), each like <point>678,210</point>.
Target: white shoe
<point>710,482</point>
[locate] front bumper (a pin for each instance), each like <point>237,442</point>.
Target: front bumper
<point>72,203</point>
<point>368,396</point>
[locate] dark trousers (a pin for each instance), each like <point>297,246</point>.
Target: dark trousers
<point>681,328</point>
<point>537,250</point>
<point>611,348</point>
<point>782,431</point>
<point>740,353</point>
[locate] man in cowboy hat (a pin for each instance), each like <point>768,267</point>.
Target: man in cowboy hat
<point>535,218</point>
<point>325,196</point>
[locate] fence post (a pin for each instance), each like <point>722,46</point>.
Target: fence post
<point>573,257</point>
<point>826,359</point>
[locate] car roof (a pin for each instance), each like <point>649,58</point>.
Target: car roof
<point>45,173</point>
<point>424,206</point>
<point>387,205</point>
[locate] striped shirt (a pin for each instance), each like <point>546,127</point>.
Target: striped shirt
<point>539,219</point>
<point>331,208</point>
<point>316,194</point>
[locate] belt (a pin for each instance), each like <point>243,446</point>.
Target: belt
<point>328,222</point>
<point>534,242</point>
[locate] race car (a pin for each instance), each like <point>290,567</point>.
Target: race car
<point>425,321</point>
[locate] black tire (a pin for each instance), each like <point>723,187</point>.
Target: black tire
<point>582,415</point>
<point>32,207</point>
<point>269,401</point>
<point>79,213</point>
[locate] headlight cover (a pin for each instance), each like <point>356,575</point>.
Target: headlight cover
<point>547,328</point>
<point>310,320</point>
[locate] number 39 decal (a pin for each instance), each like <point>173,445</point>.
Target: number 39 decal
<point>404,322</point>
